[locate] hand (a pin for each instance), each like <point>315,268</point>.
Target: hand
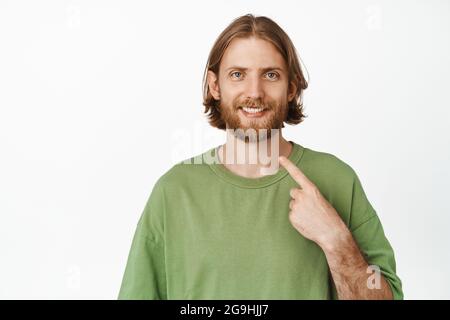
<point>310,213</point>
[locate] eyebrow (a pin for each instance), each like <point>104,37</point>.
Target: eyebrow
<point>261,69</point>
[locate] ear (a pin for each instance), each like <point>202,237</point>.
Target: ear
<point>292,91</point>
<point>213,84</point>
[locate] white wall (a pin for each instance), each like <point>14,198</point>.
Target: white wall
<point>100,98</point>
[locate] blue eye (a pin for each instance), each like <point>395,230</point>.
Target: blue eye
<point>235,72</point>
<point>275,75</point>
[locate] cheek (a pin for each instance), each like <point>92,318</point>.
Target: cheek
<point>227,99</point>
<point>232,91</point>
<point>277,92</point>
<point>229,92</point>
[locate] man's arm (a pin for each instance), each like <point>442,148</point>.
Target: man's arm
<point>145,272</point>
<point>316,219</point>
<point>350,271</point>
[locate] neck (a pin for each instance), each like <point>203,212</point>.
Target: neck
<point>254,159</point>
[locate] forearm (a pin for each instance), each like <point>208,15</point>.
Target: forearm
<point>350,271</point>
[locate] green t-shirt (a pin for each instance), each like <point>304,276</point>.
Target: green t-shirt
<point>207,233</point>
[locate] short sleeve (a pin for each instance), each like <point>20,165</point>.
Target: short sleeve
<point>367,230</point>
<point>145,276</point>
<point>377,250</point>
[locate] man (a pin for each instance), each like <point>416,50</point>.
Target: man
<point>219,228</point>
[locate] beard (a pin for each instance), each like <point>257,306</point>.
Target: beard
<point>258,129</point>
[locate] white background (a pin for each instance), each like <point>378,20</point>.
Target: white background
<point>99,98</point>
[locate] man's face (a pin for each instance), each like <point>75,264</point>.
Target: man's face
<point>253,86</point>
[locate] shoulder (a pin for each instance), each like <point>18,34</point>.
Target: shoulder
<point>168,187</point>
<point>340,184</point>
<point>327,166</point>
<point>190,171</point>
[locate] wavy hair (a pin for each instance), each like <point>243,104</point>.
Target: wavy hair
<point>264,28</point>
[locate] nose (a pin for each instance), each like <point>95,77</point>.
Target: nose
<point>254,88</point>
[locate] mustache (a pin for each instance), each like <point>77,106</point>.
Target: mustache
<point>268,105</point>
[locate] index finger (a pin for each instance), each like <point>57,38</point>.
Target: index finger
<point>294,172</point>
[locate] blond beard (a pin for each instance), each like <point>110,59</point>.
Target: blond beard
<point>253,132</point>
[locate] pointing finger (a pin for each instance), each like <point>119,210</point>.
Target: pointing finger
<point>295,172</point>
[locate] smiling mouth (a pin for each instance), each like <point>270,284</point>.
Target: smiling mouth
<point>253,112</point>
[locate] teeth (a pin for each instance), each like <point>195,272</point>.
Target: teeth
<point>252,110</point>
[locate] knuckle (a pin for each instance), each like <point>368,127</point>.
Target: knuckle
<point>315,190</point>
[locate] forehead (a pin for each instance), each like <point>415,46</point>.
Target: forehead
<point>252,53</point>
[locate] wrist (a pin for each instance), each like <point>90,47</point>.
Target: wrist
<point>337,240</point>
